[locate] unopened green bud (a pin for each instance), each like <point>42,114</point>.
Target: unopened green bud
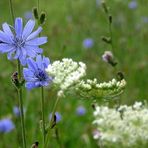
<point>106,39</point>
<point>110,19</point>
<point>104,7</point>
<point>35,13</point>
<point>120,76</point>
<point>42,18</point>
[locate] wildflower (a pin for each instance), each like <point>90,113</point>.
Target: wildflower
<point>88,43</point>
<point>20,43</point>
<point>35,75</point>
<point>6,125</point>
<point>144,19</point>
<point>67,73</point>
<point>98,3</point>
<point>133,4</point>
<point>28,15</point>
<point>16,111</point>
<point>96,134</point>
<point>80,111</point>
<point>58,117</point>
<point>132,127</point>
<point>108,58</point>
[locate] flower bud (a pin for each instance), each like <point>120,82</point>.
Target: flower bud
<point>108,57</point>
<point>35,13</point>
<point>42,18</point>
<point>106,39</point>
<point>104,7</point>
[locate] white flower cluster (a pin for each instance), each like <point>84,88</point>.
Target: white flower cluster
<point>66,73</point>
<point>127,125</point>
<point>67,77</point>
<point>93,89</point>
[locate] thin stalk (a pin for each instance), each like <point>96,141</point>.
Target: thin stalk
<point>58,137</point>
<point>43,114</point>
<point>19,90</point>
<point>51,121</point>
<point>38,4</point>
<point>21,106</point>
<point>111,36</point>
<point>11,10</point>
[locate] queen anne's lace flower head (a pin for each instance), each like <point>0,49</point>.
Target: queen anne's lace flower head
<point>68,77</point>
<point>126,125</point>
<point>35,75</point>
<point>67,73</point>
<point>20,43</point>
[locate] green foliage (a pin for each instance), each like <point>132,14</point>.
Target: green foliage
<point>68,23</point>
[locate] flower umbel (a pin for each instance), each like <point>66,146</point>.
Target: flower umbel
<point>35,75</point>
<point>21,42</point>
<point>126,123</point>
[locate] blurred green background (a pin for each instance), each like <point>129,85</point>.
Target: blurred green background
<point>68,24</point>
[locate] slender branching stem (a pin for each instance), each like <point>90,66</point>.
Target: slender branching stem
<point>43,114</point>
<point>111,36</point>
<point>51,122</point>
<point>21,106</point>
<point>19,90</point>
<point>11,10</point>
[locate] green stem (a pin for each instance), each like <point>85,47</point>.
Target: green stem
<point>19,90</point>
<point>111,36</point>
<point>38,4</point>
<point>43,115</point>
<point>21,106</point>
<point>51,121</point>
<point>11,10</point>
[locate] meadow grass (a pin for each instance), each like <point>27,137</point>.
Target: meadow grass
<point>68,23</point>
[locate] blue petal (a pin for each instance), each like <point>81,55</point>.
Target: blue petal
<point>4,38</point>
<point>39,62</point>
<point>24,52</point>
<point>30,85</point>
<point>17,54</point>
<point>45,83</point>
<point>38,50</point>
<point>38,84</point>
<point>8,31</point>
<point>18,27</point>
<point>31,51</point>
<point>37,41</point>
<point>34,34</point>
<point>31,64</point>
<point>23,61</point>
<point>5,48</point>
<point>46,62</point>
<point>28,28</point>
<point>27,72</point>
<point>9,55</point>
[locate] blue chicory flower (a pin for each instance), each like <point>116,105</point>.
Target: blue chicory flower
<point>21,43</point>
<point>133,4</point>
<point>28,15</point>
<point>16,111</point>
<point>6,125</point>
<point>35,75</point>
<point>144,19</point>
<point>88,43</point>
<point>58,117</point>
<point>80,111</point>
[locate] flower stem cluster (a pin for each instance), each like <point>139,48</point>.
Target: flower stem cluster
<point>126,125</point>
<point>93,89</point>
<point>66,73</point>
<point>68,76</point>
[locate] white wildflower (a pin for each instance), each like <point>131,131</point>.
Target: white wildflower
<point>127,123</point>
